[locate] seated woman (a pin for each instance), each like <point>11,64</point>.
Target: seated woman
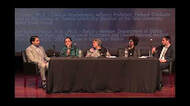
<point>131,48</point>
<point>68,50</point>
<point>132,51</point>
<point>97,50</point>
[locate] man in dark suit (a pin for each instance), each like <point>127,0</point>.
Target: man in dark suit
<point>165,53</point>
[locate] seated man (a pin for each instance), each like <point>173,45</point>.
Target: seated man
<point>165,53</point>
<point>36,53</point>
<point>68,49</point>
<point>97,50</point>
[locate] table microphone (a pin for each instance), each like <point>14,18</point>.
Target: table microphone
<point>75,44</point>
<point>53,50</point>
<point>150,54</point>
<point>75,47</point>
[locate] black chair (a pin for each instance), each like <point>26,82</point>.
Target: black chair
<point>120,52</point>
<point>29,69</point>
<point>167,74</point>
<point>144,52</point>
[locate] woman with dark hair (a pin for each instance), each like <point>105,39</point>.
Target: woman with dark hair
<point>130,50</point>
<point>133,42</point>
<point>69,50</point>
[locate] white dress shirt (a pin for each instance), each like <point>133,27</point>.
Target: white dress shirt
<point>163,52</point>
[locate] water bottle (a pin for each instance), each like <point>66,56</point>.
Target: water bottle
<point>126,53</point>
<point>80,53</point>
<point>149,53</point>
<point>54,54</point>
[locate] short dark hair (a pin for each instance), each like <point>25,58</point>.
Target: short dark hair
<point>134,39</point>
<point>32,38</point>
<point>67,38</point>
<point>167,38</point>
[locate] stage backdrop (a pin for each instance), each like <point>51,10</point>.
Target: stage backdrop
<point>112,25</point>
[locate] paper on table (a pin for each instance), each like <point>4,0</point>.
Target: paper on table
<point>111,56</point>
<point>144,57</point>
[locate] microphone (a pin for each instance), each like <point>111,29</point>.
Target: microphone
<point>54,50</point>
<point>53,47</point>
<point>150,50</point>
<point>75,47</point>
<point>151,40</point>
<point>75,44</point>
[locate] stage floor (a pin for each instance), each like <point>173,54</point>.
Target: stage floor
<point>168,91</point>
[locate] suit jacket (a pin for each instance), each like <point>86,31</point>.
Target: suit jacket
<point>33,55</point>
<point>170,53</point>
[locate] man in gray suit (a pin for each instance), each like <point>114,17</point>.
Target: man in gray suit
<point>36,53</point>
